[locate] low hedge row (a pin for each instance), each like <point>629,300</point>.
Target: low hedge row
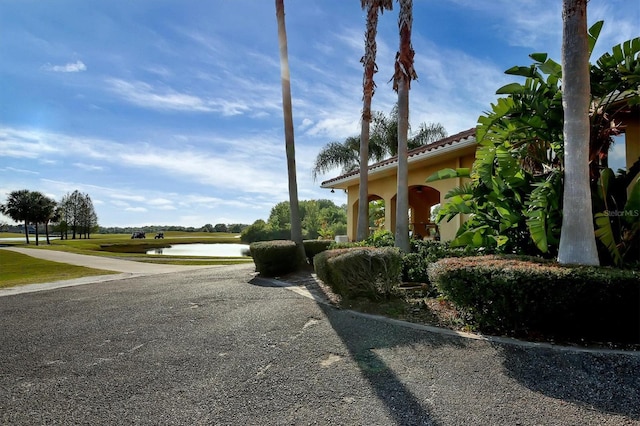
<point>524,296</point>
<point>313,247</point>
<point>274,258</point>
<point>369,272</point>
<point>278,257</point>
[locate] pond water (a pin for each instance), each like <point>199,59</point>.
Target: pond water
<point>214,250</point>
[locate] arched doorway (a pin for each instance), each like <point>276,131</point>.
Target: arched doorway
<point>376,213</point>
<point>421,199</point>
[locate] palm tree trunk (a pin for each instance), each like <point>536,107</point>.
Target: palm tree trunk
<point>368,89</point>
<point>403,75</point>
<point>363,195</point>
<point>26,230</point>
<point>577,238</point>
<point>296,224</point>
<point>402,199</point>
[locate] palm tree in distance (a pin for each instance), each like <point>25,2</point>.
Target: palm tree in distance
<point>404,73</point>
<point>577,240</point>
<point>18,207</point>
<point>296,224</point>
<point>368,86</point>
<point>383,143</point>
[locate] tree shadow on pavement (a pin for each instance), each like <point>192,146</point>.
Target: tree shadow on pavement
<point>365,337</point>
<point>604,382</point>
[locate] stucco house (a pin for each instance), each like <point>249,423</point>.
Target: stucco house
<point>455,151</point>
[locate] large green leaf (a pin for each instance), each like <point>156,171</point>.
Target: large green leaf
<point>551,67</point>
<point>594,33</point>
<point>538,230</point>
<point>521,71</point>
<point>449,173</point>
<point>632,208</point>
<point>510,89</point>
<point>539,57</point>
<point>606,176</point>
<point>604,233</point>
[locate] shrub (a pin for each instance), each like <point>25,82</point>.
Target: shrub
<point>273,258</point>
<point>381,238</point>
<point>525,296</point>
<point>261,231</point>
<point>367,271</point>
<point>313,247</point>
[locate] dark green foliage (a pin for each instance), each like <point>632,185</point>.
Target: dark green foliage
<point>313,247</point>
<point>261,231</point>
<point>274,258</point>
<point>381,238</point>
<point>318,217</point>
<point>369,272</point>
<point>424,252</point>
<point>514,198</point>
<point>528,296</point>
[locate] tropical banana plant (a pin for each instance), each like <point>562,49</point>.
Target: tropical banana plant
<point>617,219</point>
<point>514,198</point>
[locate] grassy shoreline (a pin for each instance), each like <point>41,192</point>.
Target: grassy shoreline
<point>18,269</point>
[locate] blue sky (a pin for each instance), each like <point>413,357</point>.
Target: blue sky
<point>169,112</point>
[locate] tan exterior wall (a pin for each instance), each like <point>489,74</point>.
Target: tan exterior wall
<point>385,187</point>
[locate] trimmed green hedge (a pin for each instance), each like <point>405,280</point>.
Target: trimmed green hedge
<point>363,271</point>
<point>274,258</point>
<point>313,247</point>
<point>525,296</point>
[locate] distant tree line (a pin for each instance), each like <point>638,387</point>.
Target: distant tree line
<point>234,228</point>
<point>320,219</point>
<point>74,213</point>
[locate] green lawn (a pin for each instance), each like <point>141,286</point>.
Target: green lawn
<point>19,269</point>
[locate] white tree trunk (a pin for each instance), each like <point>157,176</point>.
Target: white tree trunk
<point>577,238</point>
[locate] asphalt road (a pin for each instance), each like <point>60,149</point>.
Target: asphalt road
<point>218,346</point>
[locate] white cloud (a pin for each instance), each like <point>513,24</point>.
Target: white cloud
<point>88,167</point>
<point>145,95</point>
<point>77,66</point>
<point>15,170</point>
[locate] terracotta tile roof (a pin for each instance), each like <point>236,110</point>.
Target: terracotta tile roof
<point>417,152</point>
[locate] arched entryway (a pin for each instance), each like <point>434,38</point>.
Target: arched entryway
<point>421,199</point>
<point>376,213</point>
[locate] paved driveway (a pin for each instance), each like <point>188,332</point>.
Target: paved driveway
<point>217,346</point>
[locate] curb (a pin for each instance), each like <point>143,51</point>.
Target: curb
<point>452,333</point>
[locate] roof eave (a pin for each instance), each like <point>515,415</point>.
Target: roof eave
<point>343,182</point>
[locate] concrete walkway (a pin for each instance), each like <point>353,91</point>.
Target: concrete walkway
<point>118,269</point>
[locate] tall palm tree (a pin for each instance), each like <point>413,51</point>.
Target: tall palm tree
<point>404,73</point>
<point>577,240</point>
<point>296,224</point>
<point>18,207</point>
<point>368,86</point>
